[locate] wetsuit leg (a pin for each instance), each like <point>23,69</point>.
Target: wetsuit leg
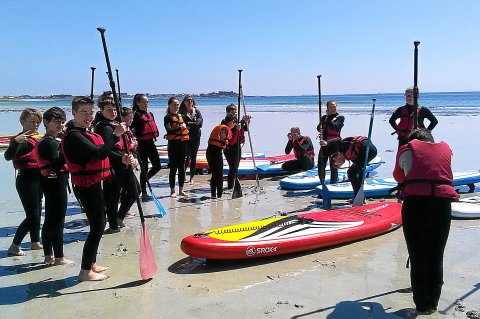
<point>92,199</point>
<point>154,159</point>
<point>148,151</point>
<point>333,170</point>
<point>128,197</point>
<point>30,193</point>
<point>143,157</point>
<point>111,192</point>
<point>215,163</point>
<point>192,150</point>
<point>233,156</point>
<point>176,157</point>
<point>426,225</point>
<point>292,166</point>
<point>321,170</point>
<point>55,209</point>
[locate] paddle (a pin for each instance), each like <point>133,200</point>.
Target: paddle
<point>148,267</point>
<point>250,140</point>
<point>358,200</point>
<point>326,198</point>
<point>415,84</point>
<point>237,188</point>
<point>91,83</point>
<point>160,208</point>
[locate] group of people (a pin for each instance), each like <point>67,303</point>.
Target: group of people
<point>91,149</point>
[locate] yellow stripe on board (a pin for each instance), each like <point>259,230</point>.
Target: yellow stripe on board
<point>240,231</point>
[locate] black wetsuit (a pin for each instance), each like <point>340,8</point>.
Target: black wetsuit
<point>215,163</point>
<point>334,122</point>
<point>305,160</point>
<point>233,152</point>
<point>423,114</point>
<point>79,150</point>
<point>30,192</point>
<point>194,124</point>
<point>55,190</point>
<point>177,151</point>
<point>112,187</point>
<point>147,151</point>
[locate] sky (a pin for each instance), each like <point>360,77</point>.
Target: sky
<point>197,46</point>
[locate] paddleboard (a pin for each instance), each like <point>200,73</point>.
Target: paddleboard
<point>468,207</point>
<point>310,180</point>
<point>289,234</point>
<point>378,187</point>
<point>246,166</point>
<point>5,139</point>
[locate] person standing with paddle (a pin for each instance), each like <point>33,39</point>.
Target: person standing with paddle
<point>86,154</point>
<point>425,186</point>
<point>406,114</point>
<point>146,131</point>
<point>353,149</point>
<point>330,126</point>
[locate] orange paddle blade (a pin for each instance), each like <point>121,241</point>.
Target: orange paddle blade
<point>148,267</point>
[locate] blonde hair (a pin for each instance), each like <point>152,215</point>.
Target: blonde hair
<point>29,112</point>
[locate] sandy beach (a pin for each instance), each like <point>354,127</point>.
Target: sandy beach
<point>365,279</point>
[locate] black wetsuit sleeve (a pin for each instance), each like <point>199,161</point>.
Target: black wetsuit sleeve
<point>198,123</point>
<point>396,115</point>
<point>337,122</point>
<point>289,147</point>
<point>105,131</point>
<point>80,150</point>
<point>17,149</point>
<point>425,113</point>
<point>49,150</point>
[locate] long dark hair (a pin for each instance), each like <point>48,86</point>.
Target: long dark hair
<point>183,108</point>
<point>136,98</point>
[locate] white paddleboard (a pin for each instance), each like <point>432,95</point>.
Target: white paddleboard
<point>468,207</point>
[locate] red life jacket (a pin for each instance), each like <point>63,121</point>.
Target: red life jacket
<point>310,153</point>
<point>328,132</point>
<point>150,130</point>
<point>216,136</point>
<point>28,160</point>
<point>95,170</point>
<point>44,165</point>
<point>431,172</point>
<point>405,126</point>
<point>182,133</point>
<point>131,141</point>
<point>354,147</point>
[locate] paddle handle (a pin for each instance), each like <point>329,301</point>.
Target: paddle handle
<point>415,84</point>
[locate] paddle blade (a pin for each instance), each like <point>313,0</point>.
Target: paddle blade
<point>359,199</point>
<point>148,267</point>
<point>160,208</point>
<point>327,199</point>
<point>237,189</point>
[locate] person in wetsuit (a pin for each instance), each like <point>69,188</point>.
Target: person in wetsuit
<point>302,148</point>
<point>146,132</point>
<point>86,154</point>
<point>330,126</point>
<point>21,152</point>
<point>406,115</point>
<point>54,181</point>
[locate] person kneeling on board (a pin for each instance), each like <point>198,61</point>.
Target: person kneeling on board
<point>425,186</point>
<point>220,137</point>
<point>302,148</point>
<point>353,149</point>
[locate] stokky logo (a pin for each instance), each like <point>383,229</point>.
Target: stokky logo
<point>255,251</point>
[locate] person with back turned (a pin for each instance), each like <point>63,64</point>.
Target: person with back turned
<point>302,148</point>
<point>424,173</point>
<point>406,115</point>
<point>331,126</point>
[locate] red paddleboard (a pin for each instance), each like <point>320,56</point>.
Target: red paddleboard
<point>289,234</point>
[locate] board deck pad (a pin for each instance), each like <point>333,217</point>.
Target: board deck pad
<point>288,234</point>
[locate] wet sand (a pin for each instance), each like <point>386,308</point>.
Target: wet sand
<point>365,279</point>
<point>328,283</point>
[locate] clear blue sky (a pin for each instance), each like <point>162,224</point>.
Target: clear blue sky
<point>197,46</point>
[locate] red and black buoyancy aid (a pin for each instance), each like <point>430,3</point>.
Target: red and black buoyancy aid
<point>431,172</point>
<point>220,135</point>
<point>150,129</point>
<point>28,160</point>
<point>131,141</point>
<point>45,165</point>
<point>310,152</point>
<point>95,170</point>
<point>178,132</point>
<point>328,132</point>
<point>405,126</point>
<point>354,146</point>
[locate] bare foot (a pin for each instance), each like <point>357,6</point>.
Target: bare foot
<point>97,268</point>
<point>89,275</point>
<point>15,250</point>
<point>36,246</point>
<point>49,260</point>
<point>182,193</point>
<point>63,261</point>
<point>173,195</point>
